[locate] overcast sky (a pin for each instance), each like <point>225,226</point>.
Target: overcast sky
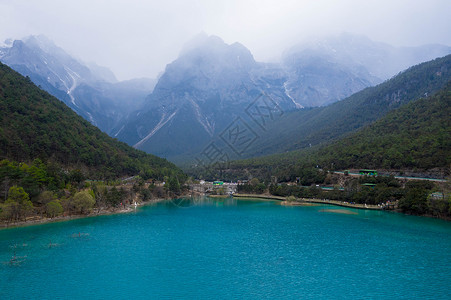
<point>137,38</point>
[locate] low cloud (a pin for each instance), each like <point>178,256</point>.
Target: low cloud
<point>138,38</point>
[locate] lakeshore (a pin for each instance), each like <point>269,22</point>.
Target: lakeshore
<point>38,220</point>
<point>343,204</point>
<point>303,201</point>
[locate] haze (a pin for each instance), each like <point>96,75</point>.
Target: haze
<point>137,38</point>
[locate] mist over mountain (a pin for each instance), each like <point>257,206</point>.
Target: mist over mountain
<point>320,125</point>
<point>210,84</point>
<point>414,138</point>
<point>325,70</point>
<point>93,92</point>
<point>400,125</point>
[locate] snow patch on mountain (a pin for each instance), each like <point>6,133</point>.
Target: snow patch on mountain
<point>119,130</point>
<point>209,128</point>
<point>160,124</point>
<point>75,78</point>
<point>287,92</point>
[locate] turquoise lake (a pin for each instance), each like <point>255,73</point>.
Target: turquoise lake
<point>230,249</point>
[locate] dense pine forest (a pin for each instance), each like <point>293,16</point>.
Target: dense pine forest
<point>416,136</point>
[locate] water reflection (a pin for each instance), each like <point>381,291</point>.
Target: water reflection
<point>201,201</point>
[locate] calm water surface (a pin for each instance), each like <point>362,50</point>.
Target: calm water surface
<point>230,249</point>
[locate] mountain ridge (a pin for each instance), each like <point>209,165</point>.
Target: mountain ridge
<point>197,95</point>
<point>209,85</point>
<point>210,77</point>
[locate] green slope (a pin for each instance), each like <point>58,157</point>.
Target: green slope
<point>310,127</point>
<point>35,124</point>
<point>416,136</point>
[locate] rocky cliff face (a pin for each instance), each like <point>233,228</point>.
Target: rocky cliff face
<point>199,94</point>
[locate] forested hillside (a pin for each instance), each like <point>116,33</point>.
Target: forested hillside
<point>53,162</point>
<point>35,124</point>
<point>414,137</point>
<point>318,126</point>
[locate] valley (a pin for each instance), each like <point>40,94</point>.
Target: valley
<point>233,149</point>
<point>221,115</point>
<point>211,83</point>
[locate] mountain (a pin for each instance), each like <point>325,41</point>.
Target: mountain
<point>324,70</point>
<point>413,139</point>
<point>35,124</point>
<point>200,93</point>
<point>213,87</point>
<point>107,104</point>
<point>309,127</point>
<point>91,91</point>
<point>301,139</point>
